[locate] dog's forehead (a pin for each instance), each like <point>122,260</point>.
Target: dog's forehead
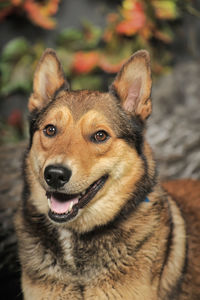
<point>94,107</point>
<point>80,102</point>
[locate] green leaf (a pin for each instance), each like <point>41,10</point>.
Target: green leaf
<point>66,58</point>
<point>20,77</point>
<point>92,34</point>
<point>5,70</point>
<point>91,82</point>
<point>166,9</point>
<point>70,38</point>
<point>15,49</point>
<point>86,38</point>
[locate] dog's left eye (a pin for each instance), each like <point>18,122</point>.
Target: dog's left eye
<point>50,130</point>
<point>100,136</point>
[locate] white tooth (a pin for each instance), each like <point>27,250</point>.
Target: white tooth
<point>49,202</point>
<point>71,205</point>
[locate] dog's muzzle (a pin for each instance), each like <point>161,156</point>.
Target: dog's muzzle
<point>64,207</point>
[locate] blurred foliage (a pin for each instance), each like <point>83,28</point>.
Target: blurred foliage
<point>14,130</point>
<point>39,12</point>
<point>87,52</point>
<point>90,52</point>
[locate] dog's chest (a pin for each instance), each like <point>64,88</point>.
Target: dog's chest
<point>89,258</point>
<point>65,239</point>
<point>97,266</point>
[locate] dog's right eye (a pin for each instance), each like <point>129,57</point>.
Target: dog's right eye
<point>100,137</point>
<point>50,130</point>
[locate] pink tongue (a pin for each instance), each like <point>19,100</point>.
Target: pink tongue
<point>61,207</point>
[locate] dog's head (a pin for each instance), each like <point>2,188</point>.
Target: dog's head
<point>87,154</point>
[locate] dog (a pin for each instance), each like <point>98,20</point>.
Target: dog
<point>94,221</point>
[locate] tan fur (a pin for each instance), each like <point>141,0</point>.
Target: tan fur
<point>140,81</point>
<point>115,247</point>
<point>186,192</point>
<point>68,149</point>
<point>45,83</point>
<point>176,261</point>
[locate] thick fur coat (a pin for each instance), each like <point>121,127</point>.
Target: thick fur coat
<point>94,222</point>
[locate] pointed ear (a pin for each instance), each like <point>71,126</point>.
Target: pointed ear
<point>48,79</point>
<point>132,85</point>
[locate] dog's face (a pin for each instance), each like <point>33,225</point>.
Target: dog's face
<point>85,155</point>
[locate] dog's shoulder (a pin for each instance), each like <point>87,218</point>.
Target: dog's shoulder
<point>186,193</point>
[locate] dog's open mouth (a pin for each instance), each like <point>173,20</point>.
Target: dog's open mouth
<point>64,207</point>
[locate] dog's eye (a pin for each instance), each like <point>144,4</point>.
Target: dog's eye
<point>50,130</point>
<point>99,136</point>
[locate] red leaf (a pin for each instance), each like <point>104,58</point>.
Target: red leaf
<point>5,11</point>
<point>39,14</point>
<point>109,67</point>
<point>15,119</point>
<point>85,62</point>
<point>134,20</point>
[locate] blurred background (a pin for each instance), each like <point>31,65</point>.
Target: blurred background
<point>92,40</point>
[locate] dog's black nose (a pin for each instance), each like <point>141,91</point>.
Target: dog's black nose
<point>57,176</point>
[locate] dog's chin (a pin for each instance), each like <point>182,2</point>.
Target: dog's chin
<point>65,207</point>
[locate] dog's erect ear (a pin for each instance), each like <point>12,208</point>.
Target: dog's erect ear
<point>48,79</point>
<point>133,85</point>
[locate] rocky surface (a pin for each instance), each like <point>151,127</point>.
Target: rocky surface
<point>174,128</point>
<point>10,192</point>
<point>173,132</point>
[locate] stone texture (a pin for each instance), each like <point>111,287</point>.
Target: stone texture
<point>174,128</point>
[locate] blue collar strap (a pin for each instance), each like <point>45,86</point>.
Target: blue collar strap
<point>146,199</point>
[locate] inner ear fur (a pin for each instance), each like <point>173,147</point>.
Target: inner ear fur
<point>48,79</point>
<point>132,85</point>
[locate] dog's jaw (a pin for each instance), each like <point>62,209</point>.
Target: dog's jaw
<point>65,207</point>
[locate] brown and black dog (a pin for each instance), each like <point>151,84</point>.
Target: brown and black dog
<point>94,223</point>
